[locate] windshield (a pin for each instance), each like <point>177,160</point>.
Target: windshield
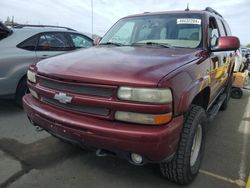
<point>175,30</point>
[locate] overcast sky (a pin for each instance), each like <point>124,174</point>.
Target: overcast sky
<point>77,13</point>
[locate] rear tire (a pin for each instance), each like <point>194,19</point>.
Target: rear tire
<point>184,167</point>
<point>22,89</point>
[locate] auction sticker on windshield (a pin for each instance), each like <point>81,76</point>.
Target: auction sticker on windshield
<point>189,21</point>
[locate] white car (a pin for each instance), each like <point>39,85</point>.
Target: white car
<point>24,45</point>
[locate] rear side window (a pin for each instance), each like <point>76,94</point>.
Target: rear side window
<point>80,41</point>
<point>221,28</point>
<point>29,44</point>
<point>228,30</point>
<point>53,42</point>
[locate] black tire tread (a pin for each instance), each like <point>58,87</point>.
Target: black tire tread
<point>21,90</point>
<point>175,169</point>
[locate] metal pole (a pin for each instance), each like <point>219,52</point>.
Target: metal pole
<point>92,19</point>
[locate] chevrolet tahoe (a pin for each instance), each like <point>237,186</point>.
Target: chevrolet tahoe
<point>145,93</point>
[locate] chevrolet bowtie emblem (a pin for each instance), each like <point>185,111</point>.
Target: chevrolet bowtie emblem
<point>63,98</point>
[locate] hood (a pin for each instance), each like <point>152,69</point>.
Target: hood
<point>137,66</point>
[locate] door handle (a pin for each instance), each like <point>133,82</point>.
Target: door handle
<point>44,56</point>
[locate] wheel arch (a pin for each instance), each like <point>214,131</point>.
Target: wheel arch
<point>202,98</point>
<point>197,94</point>
<point>20,80</point>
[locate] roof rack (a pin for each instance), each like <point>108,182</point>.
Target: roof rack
<point>52,26</point>
<point>209,9</point>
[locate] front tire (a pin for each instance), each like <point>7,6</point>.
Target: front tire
<point>22,89</point>
<point>184,167</point>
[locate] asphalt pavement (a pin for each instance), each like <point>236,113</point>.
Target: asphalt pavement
<point>35,159</point>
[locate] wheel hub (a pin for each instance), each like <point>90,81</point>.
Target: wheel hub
<point>196,145</point>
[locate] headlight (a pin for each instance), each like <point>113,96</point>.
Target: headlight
<point>31,76</point>
<point>155,95</point>
<point>150,119</point>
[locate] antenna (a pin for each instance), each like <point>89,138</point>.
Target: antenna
<point>92,18</point>
<point>187,9</point>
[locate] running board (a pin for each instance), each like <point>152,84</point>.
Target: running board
<point>212,112</point>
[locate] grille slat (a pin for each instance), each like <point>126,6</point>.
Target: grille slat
<point>77,108</point>
<point>72,87</point>
<point>79,89</point>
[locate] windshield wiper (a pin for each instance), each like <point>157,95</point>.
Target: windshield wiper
<point>153,44</point>
<point>112,43</point>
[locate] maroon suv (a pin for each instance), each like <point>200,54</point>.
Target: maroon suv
<point>145,93</point>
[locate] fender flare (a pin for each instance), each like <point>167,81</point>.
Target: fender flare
<point>191,92</point>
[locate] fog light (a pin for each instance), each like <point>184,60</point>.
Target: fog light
<point>136,158</point>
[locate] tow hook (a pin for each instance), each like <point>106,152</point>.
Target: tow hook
<point>39,129</point>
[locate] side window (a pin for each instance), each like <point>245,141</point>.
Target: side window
<point>221,28</point>
<point>80,41</point>
<point>124,34</point>
<point>213,32</point>
<point>53,42</point>
<point>29,44</point>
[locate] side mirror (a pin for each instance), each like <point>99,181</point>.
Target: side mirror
<point>228,43</point>
<point>97,40</point>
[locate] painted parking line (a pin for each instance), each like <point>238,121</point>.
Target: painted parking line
<point>237,182</point>
<point>245,131</point>
<point>248,182</point>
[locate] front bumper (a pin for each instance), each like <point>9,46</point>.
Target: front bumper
<point>154,143</point>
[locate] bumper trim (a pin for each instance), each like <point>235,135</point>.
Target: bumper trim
<point>155,143</point>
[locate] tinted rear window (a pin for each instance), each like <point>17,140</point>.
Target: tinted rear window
<point>3,35</point>
<point>29,44</point>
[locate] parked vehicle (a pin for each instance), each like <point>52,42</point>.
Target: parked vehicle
<point>145,93</point>
<point>24,45</point>
<point>240,76</point>
<point>240,80</point>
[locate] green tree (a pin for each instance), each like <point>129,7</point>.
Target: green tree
<point>248,46</point>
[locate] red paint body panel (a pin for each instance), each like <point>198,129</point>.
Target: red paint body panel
<point>153,142</point>
<point>131,66</point>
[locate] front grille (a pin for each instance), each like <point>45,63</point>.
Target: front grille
<point>75,88</point>
<point>78,108</point>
